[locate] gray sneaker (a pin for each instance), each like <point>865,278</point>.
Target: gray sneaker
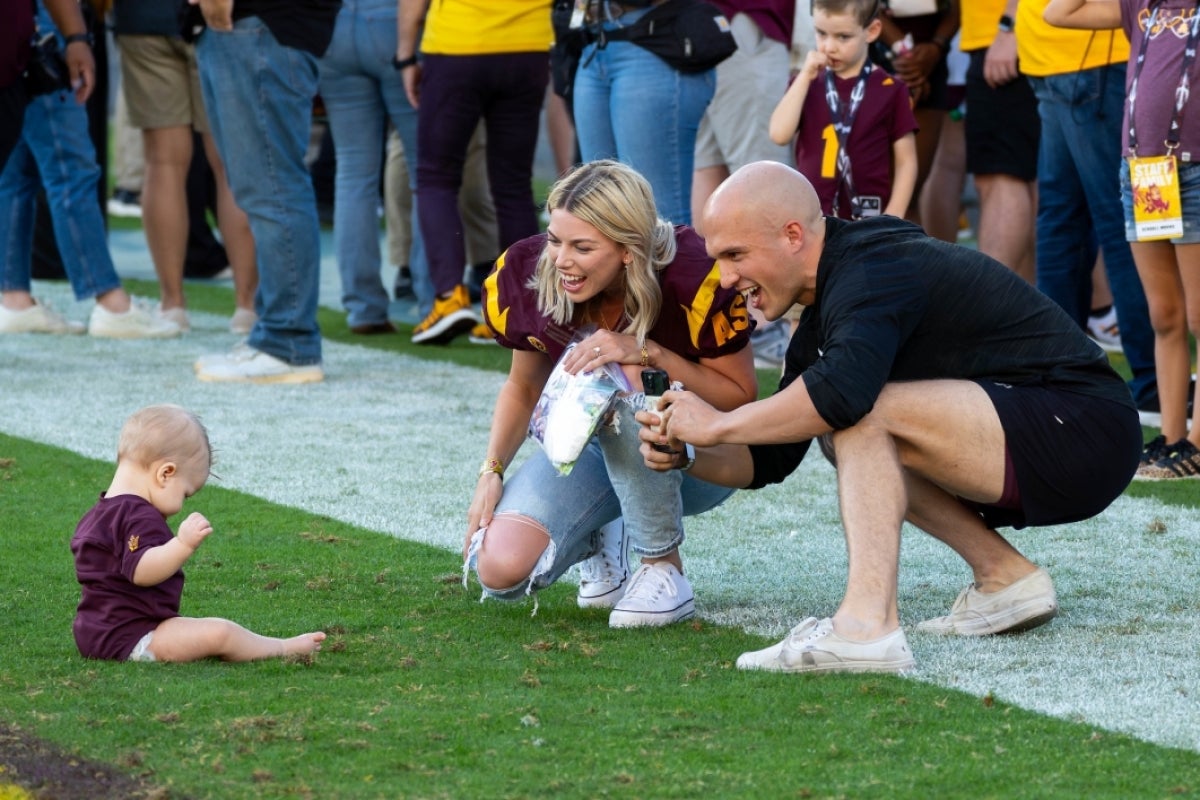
<point>657,594</point>
<point>1023,604</point>
<point>38,318</point>
<point>247,365</point>
<point>604,576</point>
<point>813,646</point>
<point>138,322</point>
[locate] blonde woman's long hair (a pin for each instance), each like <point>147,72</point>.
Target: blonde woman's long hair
<point>619,203</point>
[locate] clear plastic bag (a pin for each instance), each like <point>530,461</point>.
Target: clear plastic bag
<point>571,408</point>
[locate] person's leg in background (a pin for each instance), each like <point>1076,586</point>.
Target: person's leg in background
<point>128,163</point>
<point>1078,167</point>
<point>456,86</point>
<point>258,94</point>
<point>512,117</point>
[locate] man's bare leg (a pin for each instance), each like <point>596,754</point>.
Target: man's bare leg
<point>1007,221</point>
<point>994,562</point>
<point>946,432</point>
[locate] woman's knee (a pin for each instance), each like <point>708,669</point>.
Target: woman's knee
<point>511,547</point>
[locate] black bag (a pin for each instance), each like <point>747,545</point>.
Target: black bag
<point>690,35</point>
<point>567,48</point>
<point>47,70</point>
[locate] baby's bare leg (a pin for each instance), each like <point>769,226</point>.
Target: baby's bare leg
<point>191,639</point>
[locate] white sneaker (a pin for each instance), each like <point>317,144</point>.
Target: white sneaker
<point>812,646</point>
<point>242,321</point>
<point>178,315</point>
<point>247,365</point>
<point>657,594</point>
<point>1023,604</point>
<point>770,343</point>
<point>212,358</point>
<point>1105,331</point>
<point>136,323</point>
<point>38,318</point>
<point>604,576</point>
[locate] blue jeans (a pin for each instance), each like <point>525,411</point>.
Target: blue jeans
<point>362,92</point>
<point>258,95</point>
<point>55,151</point>
<point>1079,208</point>
<point>608,480</point>
<point>631,106</point>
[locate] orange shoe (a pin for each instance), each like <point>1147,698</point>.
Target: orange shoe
<point>449,318</point>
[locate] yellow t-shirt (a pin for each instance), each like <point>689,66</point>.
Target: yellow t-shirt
<point>485,27</point>
<point>979,21</point>
<point>1043,49</point>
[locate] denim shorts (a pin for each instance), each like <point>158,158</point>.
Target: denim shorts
<point>1189,194</point>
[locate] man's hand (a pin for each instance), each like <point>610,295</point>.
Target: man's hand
<point>218,14</point>
<point>688,419</point>
<point>82,67</point>
<point>194,530</point>
<point>1000,62</point>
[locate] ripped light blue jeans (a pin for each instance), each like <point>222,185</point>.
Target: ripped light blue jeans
<point>607,481</point>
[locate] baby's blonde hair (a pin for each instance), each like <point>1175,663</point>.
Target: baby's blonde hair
<point>163,431</point>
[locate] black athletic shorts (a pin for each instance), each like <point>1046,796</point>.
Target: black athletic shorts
<point>1002,125</point>
<point>1072,454</point>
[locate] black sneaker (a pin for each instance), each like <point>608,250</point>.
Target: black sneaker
<point>1182,460</point>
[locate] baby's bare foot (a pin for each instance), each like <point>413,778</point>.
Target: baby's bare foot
<point>303,644</point>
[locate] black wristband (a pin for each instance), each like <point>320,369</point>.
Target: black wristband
<point>79,37</point>
<point>403,63</point>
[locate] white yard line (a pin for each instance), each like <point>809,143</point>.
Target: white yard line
<point>392,443</point>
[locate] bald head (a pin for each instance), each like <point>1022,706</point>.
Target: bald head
<point>766,194</point>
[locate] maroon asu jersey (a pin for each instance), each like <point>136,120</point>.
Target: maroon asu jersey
<point>698,319</point>
<point>884,116</point>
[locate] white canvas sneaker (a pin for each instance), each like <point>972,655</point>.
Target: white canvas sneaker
<point>247,365</point>
<point>136,323</point>
<point>604,576</point>
<point>38,318</point>
<point>1023,604</point>
<point>657,594</point>
<point>812,646</point>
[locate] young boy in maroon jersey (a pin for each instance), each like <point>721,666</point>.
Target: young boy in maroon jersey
<point>855,135</point>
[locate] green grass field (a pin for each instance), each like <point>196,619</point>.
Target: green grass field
<point>423,692</point>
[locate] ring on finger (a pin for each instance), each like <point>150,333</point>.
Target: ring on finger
<point>596,350</point>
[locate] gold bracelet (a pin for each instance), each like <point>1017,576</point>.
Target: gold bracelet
<point>645,355</point>
<point>492,465</point>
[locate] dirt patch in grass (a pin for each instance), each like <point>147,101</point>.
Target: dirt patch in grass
<point>46,771</point>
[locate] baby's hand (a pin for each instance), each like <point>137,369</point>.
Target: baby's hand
<point>194,530</point>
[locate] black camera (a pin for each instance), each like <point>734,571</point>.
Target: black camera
<point>47,70</point>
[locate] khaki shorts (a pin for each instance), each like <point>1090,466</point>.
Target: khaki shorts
<point>733,131</point>
<point>161,83</point>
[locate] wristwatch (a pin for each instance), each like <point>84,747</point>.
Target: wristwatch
<point>403,63</point>
<point>79,37</point>
<point>1007,25</point>
<point>689,457</point>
